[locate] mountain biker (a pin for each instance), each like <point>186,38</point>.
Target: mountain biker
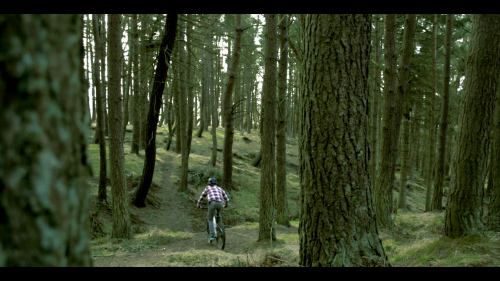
<point>215,196</point>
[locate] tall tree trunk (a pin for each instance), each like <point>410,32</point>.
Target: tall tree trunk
<point>177,100</point>
<point>432,123</point>
<point>337,220</point>
<point>214,110</point>
<point>390,136</point>
<point>166,47</point>
<point>100,113</point>
<point>44,206</point>
<point>190,87</point>
<point>122,227</point>
<point>228,113</point>
<point>282,216</point>
<point>136,134</point>
<point>183,111</point>
<point>129,82</point>
<point>267,174</point>
<point>202,99</point>
<point>464,212</point>
<point>143,87</point>
<point>437,200</point>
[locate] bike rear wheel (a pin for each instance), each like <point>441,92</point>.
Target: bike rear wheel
<point>221,236</point>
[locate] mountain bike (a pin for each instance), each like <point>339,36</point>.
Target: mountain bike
<point>218,228</point>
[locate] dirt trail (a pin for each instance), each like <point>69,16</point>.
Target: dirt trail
<point>175,217</point>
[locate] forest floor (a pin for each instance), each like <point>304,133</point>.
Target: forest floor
<point>170,231</point>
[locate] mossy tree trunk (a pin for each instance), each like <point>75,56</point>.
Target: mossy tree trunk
<point>122,227</point>
<point>44,206</point>
<point>464,212</point>
<point>337,226</point>
<point>166,47</point>
<point>282,216</point>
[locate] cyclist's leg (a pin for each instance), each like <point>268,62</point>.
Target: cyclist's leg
<point>211,212</point>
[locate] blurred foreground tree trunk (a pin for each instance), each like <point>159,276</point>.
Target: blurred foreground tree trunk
<point>44,206</point>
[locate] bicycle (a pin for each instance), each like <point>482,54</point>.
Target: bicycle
<point>220,233</point>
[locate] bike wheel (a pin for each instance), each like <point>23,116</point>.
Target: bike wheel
<point>221,236</point>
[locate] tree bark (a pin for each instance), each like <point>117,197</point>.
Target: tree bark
<point>282,216</point>
<point>376,95</point>
<point>337,221</point>
<point>493,222</point>
<point>129,82</point>
<point>122,227</point>
<point>437,200</point>
<point>228,113</point>
<point>166,47</point>
<point>464,212</point>
<point>190,87</point>
<point>100,114</point>
<point>44,206</point>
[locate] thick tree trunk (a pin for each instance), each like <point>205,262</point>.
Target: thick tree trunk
<point>464,212</point>
<point>437,200</point>
<point>337,221</point>
<point>122,227</point>
<point>166,47</point>
<point>282,216</point>
<point>44,206</point>
<point>136,134</point>
<point>376,95</point>
<point>267,173</point>
<point>100,114</point>
<point>228,113</point>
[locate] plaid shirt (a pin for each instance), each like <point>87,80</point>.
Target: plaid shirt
<point>215,193</point>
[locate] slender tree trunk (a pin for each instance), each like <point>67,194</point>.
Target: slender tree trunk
<point>190,87</point>
<point>122,227</point>
<point>337,220</point>
<point>464,212</point>
<point>202,100</point>
<point>100,114</point>
<point>166,47</point>
<point>228,113</point>
<point>376,95</point>
<point>432,124</point>
<point>437,200</point>
<point>214,111</point>
<point>390,136</point>
<point>44,206</point>
<point>177,101</point>
<point>136,134</point>
<point>282,216</point>
<point>129,82</point>
<point>183,111</point>
<point>143,87</point>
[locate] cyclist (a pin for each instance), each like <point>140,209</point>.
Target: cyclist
<point>215,197</point>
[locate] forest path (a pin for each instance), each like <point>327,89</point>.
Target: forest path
<point>173,234</point>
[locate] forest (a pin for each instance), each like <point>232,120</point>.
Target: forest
<point>359,140</point>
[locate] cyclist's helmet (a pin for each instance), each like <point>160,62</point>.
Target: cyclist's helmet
<point>212,181</point>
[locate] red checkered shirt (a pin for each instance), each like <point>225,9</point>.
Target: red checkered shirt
<point>215,193</point>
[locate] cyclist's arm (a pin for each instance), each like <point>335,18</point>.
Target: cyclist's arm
<point>226,198</point>
<point>203,195</point>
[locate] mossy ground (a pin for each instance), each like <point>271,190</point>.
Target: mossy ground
<point>417,239</point>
